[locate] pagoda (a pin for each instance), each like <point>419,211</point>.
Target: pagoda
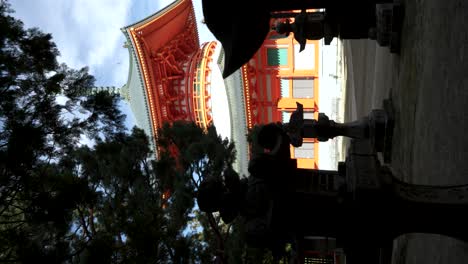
<point>169,71</point>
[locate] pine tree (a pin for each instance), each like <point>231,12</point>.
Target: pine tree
<point>198,154</point>
<point>51,209</point>
<point>63,200</point>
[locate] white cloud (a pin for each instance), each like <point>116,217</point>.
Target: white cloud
<point>86,32</point>
<point>98,24</point>
<point>164,3</point>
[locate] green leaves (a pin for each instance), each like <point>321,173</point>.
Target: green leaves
<point>77,187</point>
<point>50,186</point>
<point>188,155</point>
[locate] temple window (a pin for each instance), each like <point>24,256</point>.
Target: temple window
<point>303,88</point>
<point>285,116</point>
<point>277,56</point>
<point>306,151</point>
<point>309,115</point>
<point>285,87</point>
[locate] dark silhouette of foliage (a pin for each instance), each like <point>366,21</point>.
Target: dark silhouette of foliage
<point>199,154</point>
<point>77,187</point>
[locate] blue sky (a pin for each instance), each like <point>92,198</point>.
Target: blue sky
<point>87,33</point>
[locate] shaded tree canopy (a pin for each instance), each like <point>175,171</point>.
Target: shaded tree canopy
<point>189,154</point>
<point>77,187</point>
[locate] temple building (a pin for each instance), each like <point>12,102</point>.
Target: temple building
<point>172,77</point>
<point>267,88</point>
<point>170,72</point>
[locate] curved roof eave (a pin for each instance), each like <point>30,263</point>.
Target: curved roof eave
<point>236,103</point>
<point>160,13</point>
<point>137,91</point>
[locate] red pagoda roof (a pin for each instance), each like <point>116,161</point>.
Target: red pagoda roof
<point>160,44</point>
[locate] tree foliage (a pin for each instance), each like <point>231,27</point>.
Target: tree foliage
<point>44,191</point>
<point>197,154</point>
<point>76,187</point>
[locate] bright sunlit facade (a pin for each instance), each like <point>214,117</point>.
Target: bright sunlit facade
<point>267,88</point>
<point>170,73</point>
